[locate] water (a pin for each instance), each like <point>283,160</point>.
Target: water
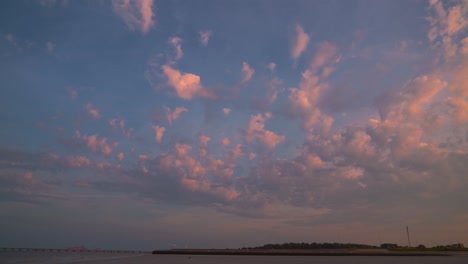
<point>119,258</point>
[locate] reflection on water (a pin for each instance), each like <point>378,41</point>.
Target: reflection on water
<point>39,257</point>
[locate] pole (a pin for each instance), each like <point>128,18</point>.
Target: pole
<point>407,233</point>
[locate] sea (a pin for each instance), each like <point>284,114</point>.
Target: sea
<point>9,257</point>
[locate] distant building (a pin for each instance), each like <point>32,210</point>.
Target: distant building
<point>458,245</point>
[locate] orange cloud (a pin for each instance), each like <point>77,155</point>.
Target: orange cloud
<point>186,85</point>
<point>137,14</point>
<point>300,42</point>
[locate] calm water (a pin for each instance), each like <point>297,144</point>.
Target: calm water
<point>108,258</point>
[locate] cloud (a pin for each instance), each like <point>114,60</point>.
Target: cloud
<point>446,25</point>
<point>204,37</point>
<point>226,142</point>
<point>226,111</point>
<point>202,185</point>
<point>203,145</point>
<point>93,112</point>
<point>247,72</point>
<point>120,125</point>
<point>78,161</point>
<point>326,53</point>
<point>176,43</point>
<point>50,46</point>
<point>174,115</point>
<point>96,144</point>
<point>186,85</point>
<point>120,156</point>
<point>300,42</point>
<point>304,101</point>
<point>159,133</point>
<point>256,130</point>
<point>271,66</point>
<point>203,140</point>
<point>72,92</point>
<point>137,14</point>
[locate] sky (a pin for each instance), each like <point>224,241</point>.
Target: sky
<point>153,124</point>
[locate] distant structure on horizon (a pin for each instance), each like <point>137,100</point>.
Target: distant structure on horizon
<point>77,248</point>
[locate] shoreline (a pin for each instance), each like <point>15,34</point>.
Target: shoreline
<point>299,252</point>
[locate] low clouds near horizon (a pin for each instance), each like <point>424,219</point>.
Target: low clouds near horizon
<point>235,129</point>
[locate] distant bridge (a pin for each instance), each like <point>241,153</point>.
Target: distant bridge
<point>76,250</point>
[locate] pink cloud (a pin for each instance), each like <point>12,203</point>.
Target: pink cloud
<point>203,140</point>
<point>176,43</point>
<point>300,42</point>
<point>159,133</point>
<point>252,156</point>
<point>226,111</point>
<point>204,37</point>
<point>182,149</point>
<point>226,141</point>
<point>143,157</point>
<point>420,92</point>
<point>120,156</point>
<point>326,53</point>
<point>464,48</point>
<point>50,46</point>
<point>202,145</point>
<point>171,116</point>
<point>236,152</point>
<point>247,72</point>
<point>446,25</point>
<point>78,161</point>
<point>93,112</point>
<point>202,185</point>
<point>113,123</point>
<point>95,144</point>
<point>186,85</point>
<point>257,131</point>
<point>116,124</point>
<point>137,14</point>
<point>271,66</point>
<point>72,92</point>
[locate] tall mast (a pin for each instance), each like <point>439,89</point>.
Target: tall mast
<point>407,233</point>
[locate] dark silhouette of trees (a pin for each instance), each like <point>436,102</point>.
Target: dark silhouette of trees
<point>314,246</point>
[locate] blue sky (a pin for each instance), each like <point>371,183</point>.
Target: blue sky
<point>147,124</point>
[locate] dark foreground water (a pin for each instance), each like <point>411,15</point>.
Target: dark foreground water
<point>118,258</point>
